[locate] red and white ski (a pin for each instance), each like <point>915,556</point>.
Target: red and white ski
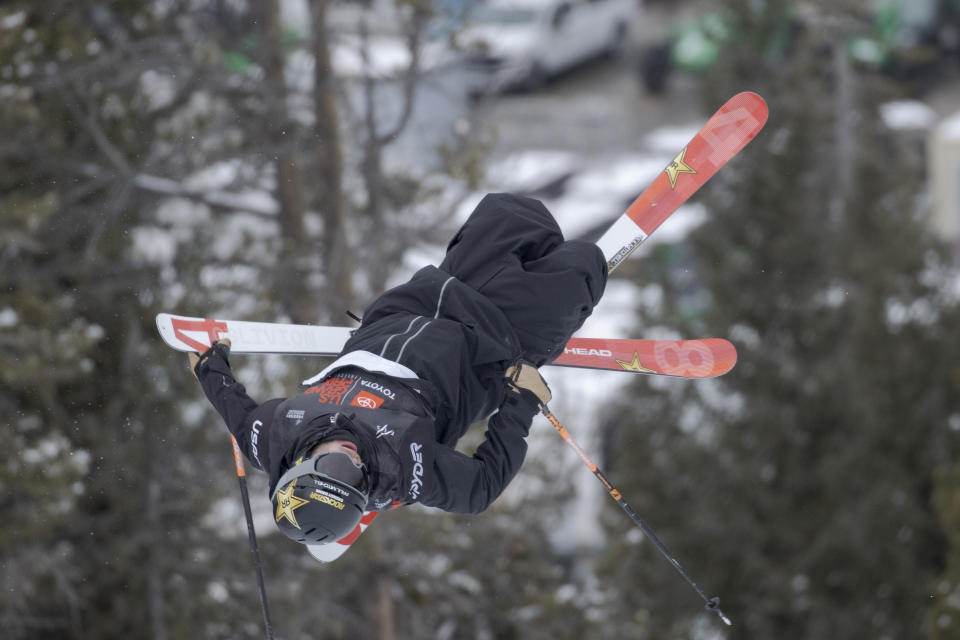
<point>735,124</point>
<point>705,358</point>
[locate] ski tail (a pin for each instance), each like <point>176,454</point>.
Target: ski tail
<point>727,132</point>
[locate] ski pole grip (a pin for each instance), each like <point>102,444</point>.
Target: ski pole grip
<point>238,458</point>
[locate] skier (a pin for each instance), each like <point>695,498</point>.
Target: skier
<point>455,344</point>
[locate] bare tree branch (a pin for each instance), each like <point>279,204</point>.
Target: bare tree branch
<point>411,76</point>
<point>88,119</point>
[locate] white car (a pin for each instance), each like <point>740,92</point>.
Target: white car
<point>521,43</point>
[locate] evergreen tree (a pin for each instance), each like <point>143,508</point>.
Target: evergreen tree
<point>797,487</point>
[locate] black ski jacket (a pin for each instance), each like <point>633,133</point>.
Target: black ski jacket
<point>509,289</point>
<point>396,440</point>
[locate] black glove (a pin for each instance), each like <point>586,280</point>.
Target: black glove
<point>526,378</point>
<point>195,360</point>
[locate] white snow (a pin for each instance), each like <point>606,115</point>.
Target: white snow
<point>159,89</point>
<point>464,581</point>
<point>295,14</point>
<point>745,335</point>
<point>179,213</point>
<point>670,139</point>
<point>833,297</point>
<point>953,422</point>
<point>214,277</point>
<point>905,115</point>
<point>8,318</point>
<point>46,450</point>
<point>900,313</point>
<point>80,460</point>
<point>153,245</point>
<point>388,56</point>
<point>255,200</point>
<point>13,20</point>
<point>218,592</point>
<point>95,332</point>
<point>216,176</point>
<point>530,170</point>
<point>620,177</point>
<point>949,128</point>
<point>238,236</point>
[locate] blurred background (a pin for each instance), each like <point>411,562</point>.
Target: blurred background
<point>286,160</point>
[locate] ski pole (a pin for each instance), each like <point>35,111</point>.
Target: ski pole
<point>252,534</point>
<point>713,604</point>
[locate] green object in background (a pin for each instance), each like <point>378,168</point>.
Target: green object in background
<point>876,49</point>
<point>243,56</point>
<point>697,42</point>
<point>236,62</point>
<point>896,36</point>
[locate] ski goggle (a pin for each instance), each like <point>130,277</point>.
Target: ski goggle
<point>340,466</point>
<point>329,465</point>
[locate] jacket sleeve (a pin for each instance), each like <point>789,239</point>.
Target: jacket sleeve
<point>246,420</point>
<point>469,484</point>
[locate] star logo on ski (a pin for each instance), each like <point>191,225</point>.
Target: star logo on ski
<point>678,166</point>
<point>634,365</point>
<point>287,503</point>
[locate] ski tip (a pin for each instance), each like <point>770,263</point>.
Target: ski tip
<point>752,102</point>
<point>752,95</point>
<point>726,358</point>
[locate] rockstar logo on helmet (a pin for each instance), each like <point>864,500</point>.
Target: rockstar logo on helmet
<point>287,503</point>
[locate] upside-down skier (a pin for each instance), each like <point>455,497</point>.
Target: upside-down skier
<point>453,345</point>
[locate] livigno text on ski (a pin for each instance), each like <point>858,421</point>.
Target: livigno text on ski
<point>457,343</point>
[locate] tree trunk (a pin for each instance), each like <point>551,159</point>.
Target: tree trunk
<point>289,190</point>
<point>372,164</point>
<point>336,253</point>
<point>157,602</point>
<point>386,619</point>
